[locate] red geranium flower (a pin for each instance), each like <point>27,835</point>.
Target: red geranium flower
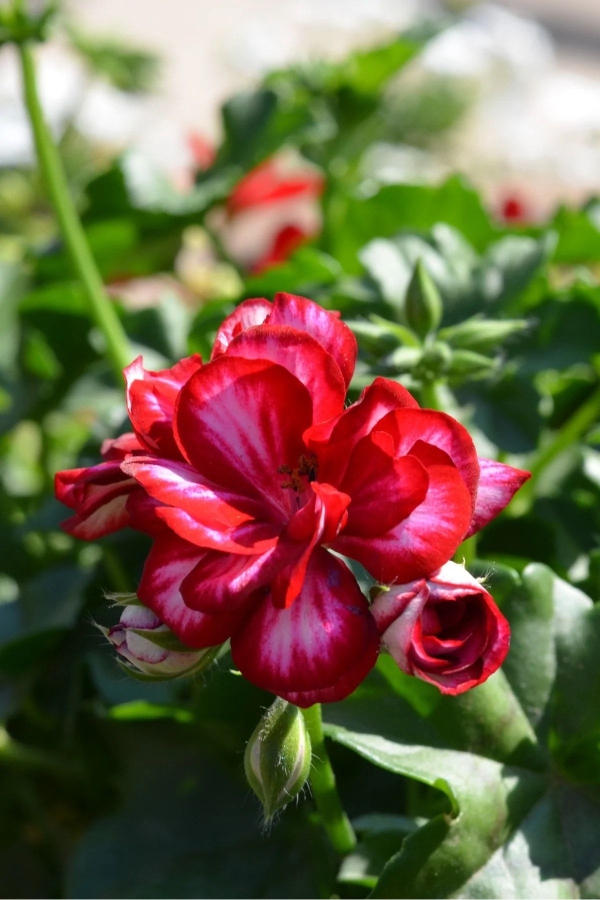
<point>264,472</point>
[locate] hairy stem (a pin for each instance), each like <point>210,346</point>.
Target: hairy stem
<point>101,308</point>
<point>322,781</point>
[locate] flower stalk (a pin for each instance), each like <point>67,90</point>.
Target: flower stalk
<point>322,782</point>
<point>570,433</point>
<point>101,308</point>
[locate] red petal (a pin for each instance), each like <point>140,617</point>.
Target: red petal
<point>221,581</point>
<point>428,537</point>
<point>178,484</point>
<point>270,181</point>
<point>331,333</point>
<point>143,516</point>
<point>301,355</point>
<point>498,483</point>
<point>238,421</point>
<point>98,494</point>
<point>407,426</point>
<point>168,563</point>
<point>316,641</point>
<point>319,521</point>
<point>384,490</point>
<point>108,518</point>
<point>249,538</point>
<point>249,313</point>
<point>343,687</point>
<point>120,447</point>
<point>151,400</point>
<point>333,441</point>
<point>286,241</point>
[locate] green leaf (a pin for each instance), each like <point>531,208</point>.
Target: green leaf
<point>576,706</point>
<point>367,71</point>
<point>487,801</point>
<point>399,206</point>
<point>531,663</point>
<point>307,270</point>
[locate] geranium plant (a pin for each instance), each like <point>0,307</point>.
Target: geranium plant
<point>292,520</point>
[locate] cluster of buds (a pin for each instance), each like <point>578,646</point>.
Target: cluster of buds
<point>148,650</point>
<point>420,348</point>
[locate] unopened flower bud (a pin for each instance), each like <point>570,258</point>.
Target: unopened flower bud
<point>423,305</point>
<point>278,756</point>
<point>149,648</point>
<point>445,629</point>
<point>482,335</point>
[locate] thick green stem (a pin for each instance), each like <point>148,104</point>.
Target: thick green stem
<point>430,398</point>
<point>489,719</point>
<point>102,310</point>
<point>322,781</point>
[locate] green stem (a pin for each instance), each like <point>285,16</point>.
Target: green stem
<point>322,781</point>
<point>570,433</point>
<point>430,398</point>
<point>102,310</point>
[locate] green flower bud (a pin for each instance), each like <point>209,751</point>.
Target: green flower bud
<point>482,335</point>
<point>278,756</point>
<point>423,305</point>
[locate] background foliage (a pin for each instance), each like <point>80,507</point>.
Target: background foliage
<point>114,788</point>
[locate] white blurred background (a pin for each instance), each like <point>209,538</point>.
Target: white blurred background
<point>530,67</point>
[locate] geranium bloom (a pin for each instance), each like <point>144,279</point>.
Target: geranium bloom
<point>445,629</point>
<point>257,471</point>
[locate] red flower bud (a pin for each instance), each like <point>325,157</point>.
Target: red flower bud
<point>445,629</point>
<point>150,648</point>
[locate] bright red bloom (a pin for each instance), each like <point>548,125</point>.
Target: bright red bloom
<point>263,471</point>
<point>445,629</point>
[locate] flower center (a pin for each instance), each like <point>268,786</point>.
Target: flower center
<point>303,474</point>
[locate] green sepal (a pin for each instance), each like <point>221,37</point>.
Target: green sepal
<point>166,639</point>
<point>17,27</point>
<point>122,599</point>
<point>482,335</point>
<point>466,364</point>
<point>203,663</point>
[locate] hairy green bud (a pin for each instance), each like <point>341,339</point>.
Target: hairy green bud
<point>423,305</point>
<point>278,756</point>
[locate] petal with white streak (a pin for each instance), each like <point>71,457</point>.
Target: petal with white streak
<point>313,643</point>
<point>169,562</point>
